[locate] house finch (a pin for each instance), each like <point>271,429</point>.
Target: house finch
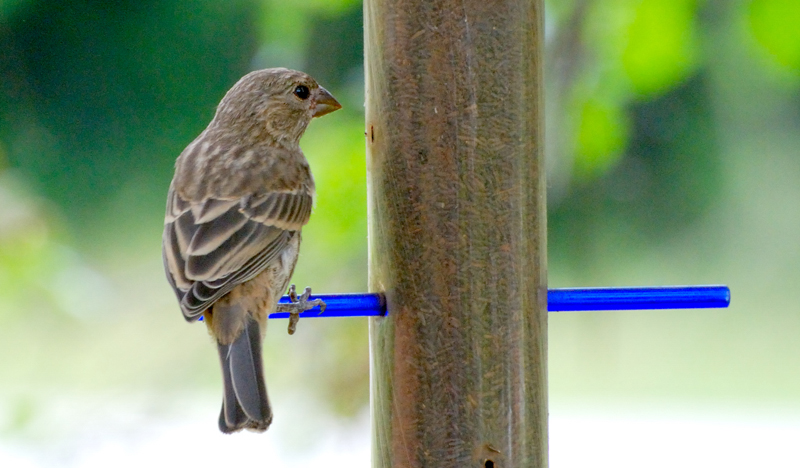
<point>241,193</point>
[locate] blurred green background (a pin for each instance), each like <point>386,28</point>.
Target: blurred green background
<point>673,145</point>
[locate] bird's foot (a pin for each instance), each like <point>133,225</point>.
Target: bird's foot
<point>299,305</point>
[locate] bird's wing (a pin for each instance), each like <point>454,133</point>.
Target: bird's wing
<point>212,245</point>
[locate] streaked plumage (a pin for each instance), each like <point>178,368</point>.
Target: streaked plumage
<point>241,193</point>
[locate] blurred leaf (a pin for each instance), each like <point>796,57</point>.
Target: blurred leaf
<point>776,26</point>
<point>634,50</point>
<point>661,45</point>
<point>602,135</point>
<point>667,179</point>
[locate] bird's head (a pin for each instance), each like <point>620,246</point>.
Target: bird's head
<point>277,103</point>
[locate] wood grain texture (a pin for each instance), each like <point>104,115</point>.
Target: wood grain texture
<point>457,232</point>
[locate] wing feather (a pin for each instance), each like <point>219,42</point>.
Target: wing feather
<point>287,210</point>
<point>211,235</point>
<point>212,245</point>
<point>211,209</point>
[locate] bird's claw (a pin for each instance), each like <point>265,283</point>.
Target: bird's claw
<point>299,305</point>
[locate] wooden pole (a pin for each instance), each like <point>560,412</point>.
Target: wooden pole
<point>457,232</point>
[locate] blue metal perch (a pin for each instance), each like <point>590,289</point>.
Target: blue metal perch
<point>558,300</point>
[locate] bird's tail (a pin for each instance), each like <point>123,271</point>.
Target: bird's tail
<point>244,402</point>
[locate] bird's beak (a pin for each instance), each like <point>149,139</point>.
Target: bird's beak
<point>326,103</point>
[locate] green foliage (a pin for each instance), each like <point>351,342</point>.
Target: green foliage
<point>776,26</point>
<point>117,91</point>
<point>601,139</point>
<point>661,45</point>
<point>629,50</point>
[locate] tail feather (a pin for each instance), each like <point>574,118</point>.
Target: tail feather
<point>245,404</point>
<point>232,416</point>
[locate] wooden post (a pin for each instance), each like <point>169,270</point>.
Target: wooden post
<point>457,232</point>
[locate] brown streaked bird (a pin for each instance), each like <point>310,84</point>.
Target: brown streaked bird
<point>241,193</point>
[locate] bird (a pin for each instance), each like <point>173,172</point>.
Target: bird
<point>241,193</point>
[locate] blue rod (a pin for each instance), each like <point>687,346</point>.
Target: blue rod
<point>641,298</point>
<point>558,300</point>
<point>341,305</point>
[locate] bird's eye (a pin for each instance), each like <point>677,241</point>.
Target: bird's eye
<point>302,92</point>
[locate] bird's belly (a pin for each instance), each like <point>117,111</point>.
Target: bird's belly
<point>286,264</point>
